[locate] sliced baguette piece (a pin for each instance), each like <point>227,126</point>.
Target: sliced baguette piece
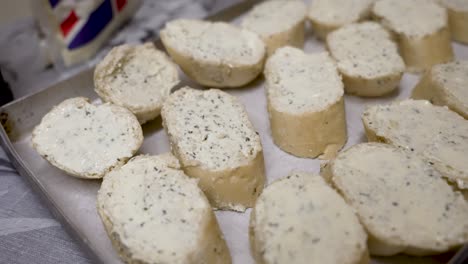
<point>300,219</point>
<point>458,19</point>
<point>435,133</point>
<point>87,140</point>
<point>138,77</point>
<point>328,15</point>
<point>445,84</point>
<point>367,58</point>
<point>214,54</point>
<point>305,103</point>
<point>422,31</point>
<point>154,213</point>
<point>404,204</point>
<point>278,22</point>
<point>212,136</point>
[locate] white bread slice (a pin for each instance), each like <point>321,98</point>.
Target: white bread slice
<point>458,18</point>
<point>212,136</point>
<point>445,84</point>
<point>87,140</point>
<point>300,219</point>
<point>154,213</point>
<point>422,30</point>
<point>214,54</point>
<point>305,103</point>
<point>278,22</point>
<point>138,77</point>
<point>328,15</point>
<point>367,58</point>
<point>404,204</point>
<point>435,133</point>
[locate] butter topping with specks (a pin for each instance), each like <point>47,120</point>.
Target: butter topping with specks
<point>300,219</point>
<point>413,18</point>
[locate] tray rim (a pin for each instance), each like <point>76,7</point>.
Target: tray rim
<point>230,12</point>
<point>23,170</point>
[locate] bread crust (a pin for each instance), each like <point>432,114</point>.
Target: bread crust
<point>224,74</point>
<point>293,37</point>
<point>428,88</point>
<point>370,35</point>
<point>229,187</point>
<point>212,248</point>
<point>105,72</point>
<point>422,53</point>
<point>371,87</point>
<point>321,28</point>
<point>458,21</point>
<point>310,134</point>
<point>232,188</point>
<point>305,103</point>
<point>291,32</point>
<point>420,49</point>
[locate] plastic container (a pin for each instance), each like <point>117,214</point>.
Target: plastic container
<point>76,29</point>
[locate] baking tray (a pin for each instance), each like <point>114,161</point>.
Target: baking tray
<point>73,201</point>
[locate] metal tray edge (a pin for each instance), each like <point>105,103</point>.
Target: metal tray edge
<point>25,172</point>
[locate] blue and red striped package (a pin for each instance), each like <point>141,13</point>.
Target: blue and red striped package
<point>76,29</point>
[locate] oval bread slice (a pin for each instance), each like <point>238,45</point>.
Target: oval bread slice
<point>211,134</point>
<point>87,140</point>
<point>214,54</point>
<point>328,15</point>
<point>404,204</point>
<point>422,29</point>
<point>154,213</point>
<point>136,77</point>
<point>458,18</point>
<point>367,58</point>
<point>436,133</point>
<point>300,219</point>
<point>305,103</point>
<point>279,23</point>
<point>445,84</point>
